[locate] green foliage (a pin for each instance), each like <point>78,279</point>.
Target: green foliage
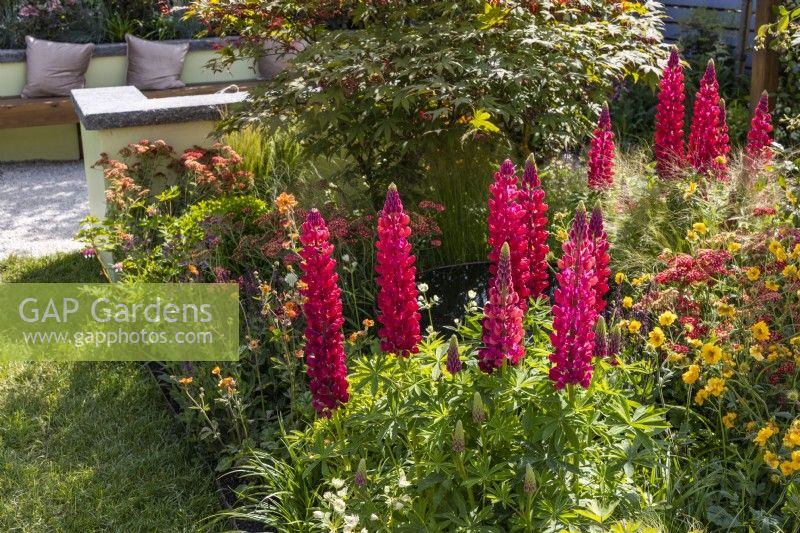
<point>410,75</point>
<point>533,459</point>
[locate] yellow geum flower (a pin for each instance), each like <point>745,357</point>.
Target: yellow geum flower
<point>796,251</point>
<point>771,460</point>
<point>760,331</point>
<point>619,277</point>
<point>757,353</point>
<point>562,235</point>
<point>691,375</point>
<point>656,337</point>
<point>791,197</point>
<point>771,286</point>
<point>776,249</point>
<point>734,247</point>
<point>690,189</point>
<point>792,437</point>
<point>701,396</point>
<point>667,318</point>
<point>715,386</point>
<point>765,433</point>
<point>726,310</point>
<point>634,326</point>
<point>694,343</point>
<point>711,353</point>
<point>728,419</point>
<point>789,271</point>
<point>787,468</point>
<point>700,228</point>
<point>753,273</point>
<point>675,357</point>
<point>692,236</point>
<point>627,302</point>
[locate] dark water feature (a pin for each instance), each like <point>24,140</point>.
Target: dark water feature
<point>452,285</point>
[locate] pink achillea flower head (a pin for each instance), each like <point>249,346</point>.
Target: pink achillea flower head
<point>602,259</point>
<point>324,347</point>
<point>453,363</point>
<point>575,309</point>
<point>502,322</point>
<point>397,294</point>
<point>535,209</point>
<point>708,145</point>
<point>758,151</point>
<point>601,154</point>
<point>507,225</point>
<point>669,149</point>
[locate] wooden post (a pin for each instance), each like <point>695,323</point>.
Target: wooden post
<point>765,61</point>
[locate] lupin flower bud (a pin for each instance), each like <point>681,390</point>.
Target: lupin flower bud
<point>478,411</point>
<point>507,225</point>
<point>324,347</point>
<point>669,149</point>
<point>453,363</point>
<point>502,322</point>
<point>535,209</point>
<point>720,164</point>
<point>601,154</point>
<point>574,312</point>
<point>602,260</point>
<point>397,294</point>
<point>705,145</point>
<point>758,151</point>
<point>614,342</point>
<point>529,482</point>
<point>459,442</point>
<point>360,478</point>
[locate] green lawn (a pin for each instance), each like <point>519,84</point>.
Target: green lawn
<point>89,446</point>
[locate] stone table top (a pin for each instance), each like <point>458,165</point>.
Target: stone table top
<point>106,108</point>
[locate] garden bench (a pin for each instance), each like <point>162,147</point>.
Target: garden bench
<point>16,112</point>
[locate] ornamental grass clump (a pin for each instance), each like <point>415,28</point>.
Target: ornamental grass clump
<point>758,151</point>
<point>507,226</point>
<point>669,148</point>
<point>708,147</point>
<point>324,347</point>
<point>502,322</point>
<point>398,310</point>
<point>601,154</point>
<point>575,309</point>
<point>535,218</point>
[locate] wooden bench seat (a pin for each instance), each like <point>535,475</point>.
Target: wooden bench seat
<point>16,112</point>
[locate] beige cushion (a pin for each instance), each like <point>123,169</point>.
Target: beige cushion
<point>54,69</point>
<point>153,65</point>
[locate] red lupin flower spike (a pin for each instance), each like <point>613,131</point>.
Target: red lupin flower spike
<point>507,225</point>
<point>574,312</point>
<point>397,295</point>
<point>706,144</point>
<point>324,348</point>
<point>669,149</point>
<point>601,154</point>
<point>758,151</point>
<point>535,209</point>
<point>602,259</point>
<point>502,322</point>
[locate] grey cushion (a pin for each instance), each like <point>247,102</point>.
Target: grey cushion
<point>54,69</point>
<point>273,60</point>
<point>153,65</point>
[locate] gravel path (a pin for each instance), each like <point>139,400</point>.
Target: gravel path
<point>41,205</point>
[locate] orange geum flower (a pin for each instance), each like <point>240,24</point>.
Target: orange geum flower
<point>215,371</point>
<point>185,381</point>
<point>284,202</point>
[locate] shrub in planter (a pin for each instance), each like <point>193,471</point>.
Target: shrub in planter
<point>404,74</point>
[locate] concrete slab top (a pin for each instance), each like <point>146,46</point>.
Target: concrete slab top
<point>105,108</point>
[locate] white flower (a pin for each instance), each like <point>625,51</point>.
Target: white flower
<point>374,517</point>
<point>423,287</point>
<point>435,299</point>
<point>351,519</point>
<point>397,505</point>
<point>290,279</point>
<point>337,483</point>
<point>328,496</point>
<point>402,482</point>
<point>346,258</point>
<point>319,515</point>
<point>339,506</point>
<point>472,295</point>
<point>342,493</point>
